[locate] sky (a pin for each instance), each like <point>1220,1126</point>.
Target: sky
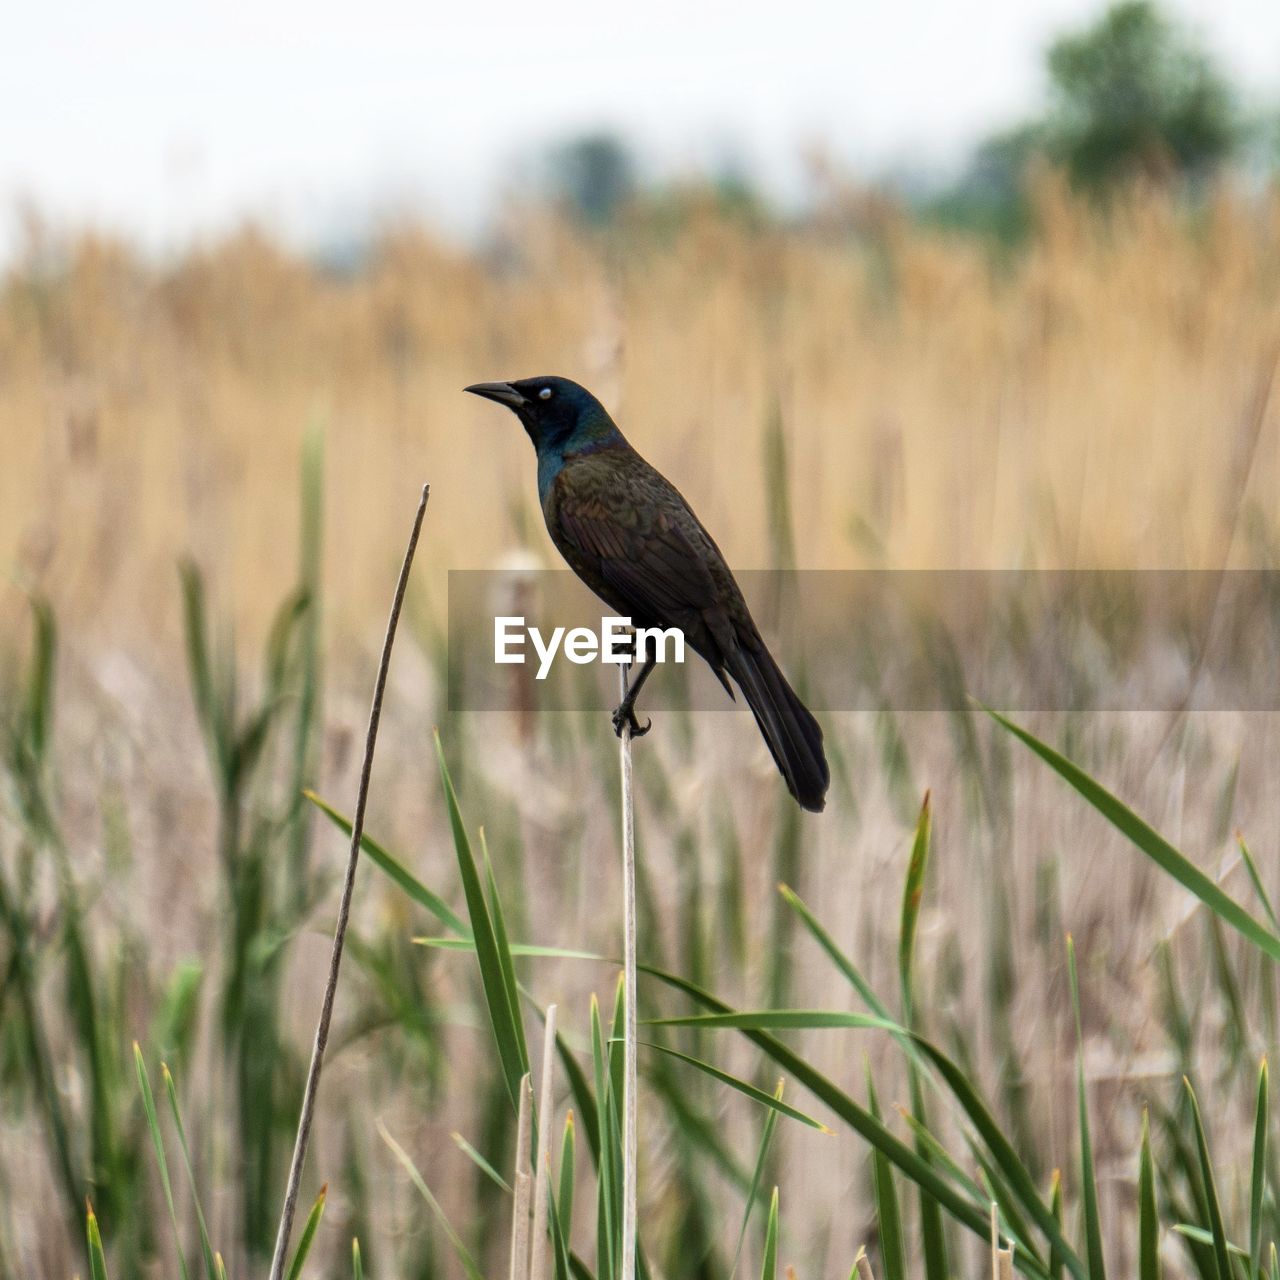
<point>168,121</point>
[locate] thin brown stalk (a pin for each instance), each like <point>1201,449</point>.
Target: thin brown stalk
<point>344,908</point>
<point>540,1246</point>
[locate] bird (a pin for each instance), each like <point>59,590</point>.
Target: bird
<point>629,534</point>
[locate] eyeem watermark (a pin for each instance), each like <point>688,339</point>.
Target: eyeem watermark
<point>615,642</point>
<point>885,640</point>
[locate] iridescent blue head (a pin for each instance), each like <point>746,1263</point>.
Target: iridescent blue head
<point>557,413</point>
<point>561,418</point>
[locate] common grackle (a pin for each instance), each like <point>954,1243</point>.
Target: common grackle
<point>632,538</point>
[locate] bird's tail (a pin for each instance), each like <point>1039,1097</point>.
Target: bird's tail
<point>793,736</point>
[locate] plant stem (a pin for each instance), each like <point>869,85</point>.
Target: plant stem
<point>344,907</point>
<point>628,1269</point>
<point>541,1167</point>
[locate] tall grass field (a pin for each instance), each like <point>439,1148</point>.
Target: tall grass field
<point>1006,1004</point>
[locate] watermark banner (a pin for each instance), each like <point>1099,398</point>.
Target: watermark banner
<point>905,640</point>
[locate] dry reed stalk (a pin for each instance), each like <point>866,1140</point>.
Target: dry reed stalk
<point>628,1269</point>
<point>862,1267</point>
<point>1001,1259</point>
<point>344,906</point>
<point>539,1246</point>
<point>523,1184</point>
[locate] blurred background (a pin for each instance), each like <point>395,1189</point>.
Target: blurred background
<point>909,287</point>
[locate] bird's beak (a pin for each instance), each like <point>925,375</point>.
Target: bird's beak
<point>502,392</point>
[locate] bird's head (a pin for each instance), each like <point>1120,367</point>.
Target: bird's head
<point>555,411</point>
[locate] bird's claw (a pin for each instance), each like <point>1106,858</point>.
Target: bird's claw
<point>625,718</point>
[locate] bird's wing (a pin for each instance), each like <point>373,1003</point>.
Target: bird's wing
<point>633,539</point>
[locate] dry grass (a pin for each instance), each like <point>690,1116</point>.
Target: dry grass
<point>1099,399</point>
<point>1091,403</point>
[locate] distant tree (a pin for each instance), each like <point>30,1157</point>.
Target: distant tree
<point>1135,94</point>
<point>594,175</point>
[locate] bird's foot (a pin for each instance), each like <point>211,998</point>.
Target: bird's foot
<point>625,718</point>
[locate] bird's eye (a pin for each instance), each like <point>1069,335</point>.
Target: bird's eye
<point>545,393</point>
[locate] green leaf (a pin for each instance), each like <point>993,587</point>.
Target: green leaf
<point>1007,1161</point>
<point>1148,1218</point>
<point>392,867</point>
<point>508,1031</point>
<point>771,1101</point>
<point>564,1198</point>
<point>1089,1185</point>
<point>608,1190</point>
<point>206,1250</point>
<point>766,1137</point>
<point>97,1259</point>
<point>1210,1189</point>
<point>1200,1236</point>
<point>1256,880</point>
<point>932,1234</point>
<point>464,1256</point>
<point>1258,1181</point>
<point>1056,1261</point>
<point>888,1217</point>
<point>481,1163</point>
<point>1150,842</point>
<point>769,1270</point>
<point>775,1019</point>
<point>920,1171</point>
<point>153,1124</point>
<point>504,946</point>
<point>912,896</point>
<point>357,1266</point>
<point>308,1235</point>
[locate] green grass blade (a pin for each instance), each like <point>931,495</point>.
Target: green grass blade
<point>932,1236</point>
<point>769,1270</point>
<point>97,1258</point>
<point>943,1159</point>
<point>769,1100</point>
<point>357,1266</point>
<point>933,1240</point>
<point>392,867</point>
<point>503,944</point>
<point>757,1177</point>
<point>508,1031</point>
<point>1216,1226</point>
<point>481,1163</point>
<point>1150,842</point>
<point>308,1235</point>
<point>157,1141</point>
<point>460,1249</point>
<point>841,961</point>
<point>888,1217</point>
<point>516,949</point>
<point>564,1197</point>
<point>1148,1218</point>
<point>1088,1181</point>
<point>1055,1205</point>
<point>1199,1235</point>
<point>206,1249</point>
<point>778,1019</point>
<point>1258,1181</point>
<point>1011,1169</point>
<point>1256,880</point>
<point>610,1161</point>
<point>920,1171</point>
<point>912,896</point>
